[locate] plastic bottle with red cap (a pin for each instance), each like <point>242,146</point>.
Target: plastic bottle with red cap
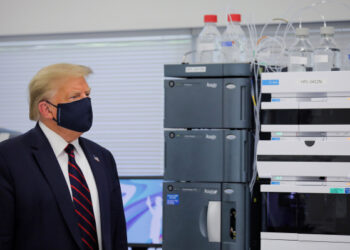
<point>235,46</point>
<point>209,42</point>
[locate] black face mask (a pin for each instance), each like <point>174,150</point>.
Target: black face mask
<point>75,115</point>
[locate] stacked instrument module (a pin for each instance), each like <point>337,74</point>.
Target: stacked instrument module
<point>305,150</point>
<point>208,157</point>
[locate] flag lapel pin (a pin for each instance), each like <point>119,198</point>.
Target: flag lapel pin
<point>96,158</point>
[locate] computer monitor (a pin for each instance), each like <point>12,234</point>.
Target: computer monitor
<point>142,199</point>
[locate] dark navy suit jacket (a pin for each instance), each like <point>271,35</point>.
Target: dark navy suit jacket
<point>36,209</point>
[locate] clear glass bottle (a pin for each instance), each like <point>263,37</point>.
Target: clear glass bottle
<point>301,52</point>
<point>208,42</point>
<point>327,56</point>
<point>234,43</point>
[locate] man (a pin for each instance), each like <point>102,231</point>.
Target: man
<point>59,191</point>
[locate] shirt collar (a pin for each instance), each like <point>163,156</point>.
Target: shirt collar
<point>57,143</point>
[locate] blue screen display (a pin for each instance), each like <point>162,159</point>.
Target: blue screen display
<point>142,199</point>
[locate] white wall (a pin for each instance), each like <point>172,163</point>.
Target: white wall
<point>21,17</point>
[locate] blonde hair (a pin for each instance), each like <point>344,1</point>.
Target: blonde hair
<point>44,84</point>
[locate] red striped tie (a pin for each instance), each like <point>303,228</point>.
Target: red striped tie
<point>82,202</point>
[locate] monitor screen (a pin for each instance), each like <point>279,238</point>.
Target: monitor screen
<point>142,199</point>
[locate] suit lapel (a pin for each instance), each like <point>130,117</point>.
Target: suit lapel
<point>96,165</point>
<point>49,166</point>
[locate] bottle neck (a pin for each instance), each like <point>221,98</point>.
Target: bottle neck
<point>303,37</point>
<point>327,36</point>
<point>210,24</point>
<point>233,23</point>
<point>328,40</point>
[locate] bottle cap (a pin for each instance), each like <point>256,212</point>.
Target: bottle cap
<point>210,18</point>
<point>302,31</point>
<point>234,17</point>
<point>328,30</point>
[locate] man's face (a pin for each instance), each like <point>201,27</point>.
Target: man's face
<point>70,90</point>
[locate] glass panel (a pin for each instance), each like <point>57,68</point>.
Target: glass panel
<point>280,212</point>
<point>324,214</point>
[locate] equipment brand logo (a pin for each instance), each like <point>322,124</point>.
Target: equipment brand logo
<point>210,191</point>
<point>229,191</point>
<point>212,85</point>
<point>230,137</point>
<point>210,137</point>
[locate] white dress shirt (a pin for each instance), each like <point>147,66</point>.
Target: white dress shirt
<point>58,145</point>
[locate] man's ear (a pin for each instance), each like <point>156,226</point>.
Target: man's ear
<point>45,110</point>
